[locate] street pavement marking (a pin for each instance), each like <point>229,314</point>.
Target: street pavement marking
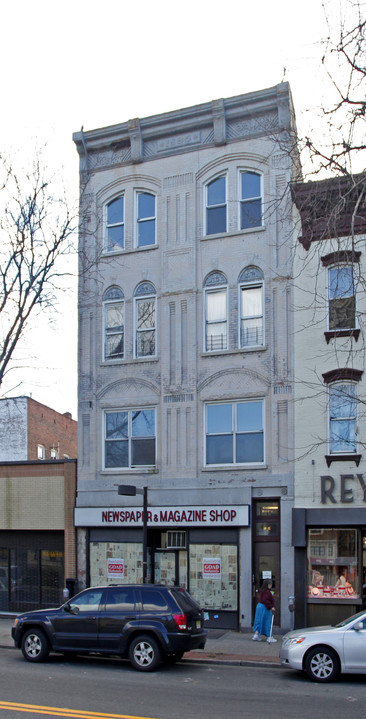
<point>62,712</point>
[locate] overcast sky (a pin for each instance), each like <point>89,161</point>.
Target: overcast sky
<point>96,64</point>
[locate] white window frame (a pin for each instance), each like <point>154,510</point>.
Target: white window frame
<point>339,266</point>
<point>209,291</point>
<point>137,192</point>
<point>247,286</point>
<point>129,411</point>
<point>243,171</point>
<point>144,298</point>
<point>106,226</point>
<point>223,204</point>
<point>351,419</point>
<point>107,303</point>
<point>234,432</point>
<point>41,452</point>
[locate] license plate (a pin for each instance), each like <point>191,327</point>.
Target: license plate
<point>198,624</point>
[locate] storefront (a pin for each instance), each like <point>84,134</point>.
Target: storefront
<point>195,547</point>
<point>31,570</point>
<point>330,564</point>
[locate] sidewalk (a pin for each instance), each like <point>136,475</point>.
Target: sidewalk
<point>222,647</point>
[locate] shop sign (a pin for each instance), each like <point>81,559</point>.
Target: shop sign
<point>343,490</point>
<point>192,516</point>
<point>211,568</point>
<point>115,568</point>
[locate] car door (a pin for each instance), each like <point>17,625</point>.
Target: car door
<point>354,649</point>
<point>76,625</point>
<point>118,610</point>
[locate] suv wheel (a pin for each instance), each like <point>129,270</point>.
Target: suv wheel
<point>144,653</point>
<point>35,646</point>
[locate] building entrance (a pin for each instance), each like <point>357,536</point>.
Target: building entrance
<point>170,567</point>
<point>266,551</point>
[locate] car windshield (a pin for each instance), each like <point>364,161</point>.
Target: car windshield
<point>350,619</point>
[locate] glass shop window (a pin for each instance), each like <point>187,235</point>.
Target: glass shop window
<point>332,564</point>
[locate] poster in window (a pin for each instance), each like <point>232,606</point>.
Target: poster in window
<point>211,568</point>
<point>115,568</point>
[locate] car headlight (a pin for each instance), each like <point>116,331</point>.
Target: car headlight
<point>16,620</point>
<point>294,640</point>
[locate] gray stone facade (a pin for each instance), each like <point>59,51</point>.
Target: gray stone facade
<point>192,361</point>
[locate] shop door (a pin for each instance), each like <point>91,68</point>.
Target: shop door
<point>266,551</point>
<point>170,567</point>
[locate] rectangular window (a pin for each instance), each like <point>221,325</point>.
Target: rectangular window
<point>115,225</point>
<point>250,200</point>
<point>145,328</point>
<point>234,433</point>
<point>216,206</point>
<point>333,564</point>
<point>342,301</point>
<point>129,439</point>
<point>251,315</point>
<point>41,451</point>
<point>342,417</point>
<point>146,219</point>
<point>114,330</point>
<point>216,320</point>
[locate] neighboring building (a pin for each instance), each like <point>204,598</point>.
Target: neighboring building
<point>29,430</point>
<point>329,519</point>
<point>185,351</point>
<point>37,500</point>
<point>37,535</point>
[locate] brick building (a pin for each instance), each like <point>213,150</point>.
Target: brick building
<point>30,430</point>
<point>185,351</point>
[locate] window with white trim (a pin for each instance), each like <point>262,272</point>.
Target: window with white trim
<point>216,312</point>
<point>250,200</point>
<point>115,228</point>
<point>216,220</point>
<point>251,308</point>
<point>146,219</point>
<point>113,304</point>
<point>129,438</point>
<point>341,298</point>
<point>342,417</point>
<point>41,451</point>
<point>145,320</point>
<point>235,433</point>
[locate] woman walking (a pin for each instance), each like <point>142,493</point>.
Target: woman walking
<point>264,614</point>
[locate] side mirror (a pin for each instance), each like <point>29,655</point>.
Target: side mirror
<point>71,608</point>
<point>358,626</point>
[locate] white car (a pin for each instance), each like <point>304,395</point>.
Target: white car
<point>324,652</point>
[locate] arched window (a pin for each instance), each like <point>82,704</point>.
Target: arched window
<point>251,331</point>
<point>145,320</point>
<point>216,312</point>
<point>115,227</point>
<point>113,305</point>
<point>216,211</point>
<point>250,200</point>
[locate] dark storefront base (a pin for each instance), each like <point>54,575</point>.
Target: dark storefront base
<point>31,570</point>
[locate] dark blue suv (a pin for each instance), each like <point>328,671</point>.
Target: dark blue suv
<point>147,623</point>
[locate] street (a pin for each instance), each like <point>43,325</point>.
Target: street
<point>90,687</point>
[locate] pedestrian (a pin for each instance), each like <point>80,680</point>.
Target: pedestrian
<point>264,614</point>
